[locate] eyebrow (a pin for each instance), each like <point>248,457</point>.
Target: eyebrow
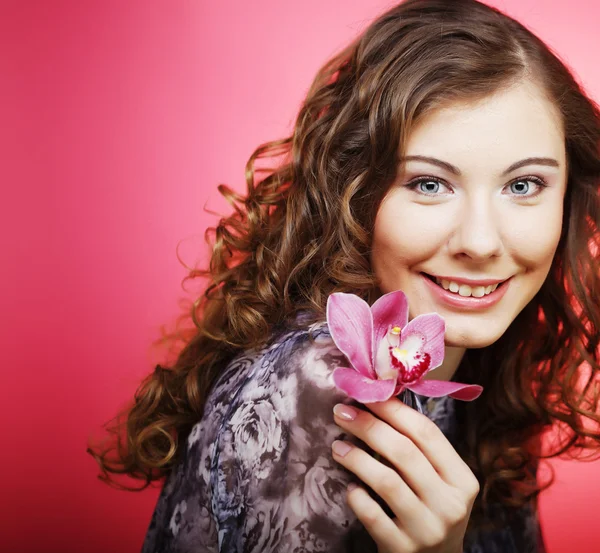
<point>546,161</point>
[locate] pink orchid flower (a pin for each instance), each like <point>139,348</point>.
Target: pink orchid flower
<point>389,354</point>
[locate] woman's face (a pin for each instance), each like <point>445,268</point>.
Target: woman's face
<point>480,212</point>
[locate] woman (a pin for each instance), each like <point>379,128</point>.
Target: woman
<point>446,153</point>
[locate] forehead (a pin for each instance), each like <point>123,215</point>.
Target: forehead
<point>508,125</point>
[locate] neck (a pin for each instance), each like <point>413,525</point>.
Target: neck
<point>452,358</point>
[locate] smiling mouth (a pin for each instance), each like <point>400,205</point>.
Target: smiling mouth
<point>464,290</point>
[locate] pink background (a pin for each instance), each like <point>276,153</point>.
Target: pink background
<point>117,120</point>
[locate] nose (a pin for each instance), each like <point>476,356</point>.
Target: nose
<point>477,233</point>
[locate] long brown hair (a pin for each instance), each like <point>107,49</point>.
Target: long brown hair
<point>303,231</point>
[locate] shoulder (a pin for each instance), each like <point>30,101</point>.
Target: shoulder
<point>273,474</point>
<point>256,472</point>
<point>273,401</point>
<point>273,384</point>
<point>291,363</point>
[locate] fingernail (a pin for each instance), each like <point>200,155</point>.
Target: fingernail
<point>341,448</point>
<point>352,486</point>
<point>345,412</point>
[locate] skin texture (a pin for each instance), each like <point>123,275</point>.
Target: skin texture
<point>432,492</point>
<point>474,226</point>
<point>479,225</point>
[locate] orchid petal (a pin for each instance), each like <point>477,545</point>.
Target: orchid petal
<point>351,326</point>
<point>361,388</point>
<point>383,366</point>
<point>440,388</point>
<point>389,310</point>
<point>433,327</point>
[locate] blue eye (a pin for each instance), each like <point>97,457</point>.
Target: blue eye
<point>520,187</point>
<point>527,187</point>
<point>427,186</point>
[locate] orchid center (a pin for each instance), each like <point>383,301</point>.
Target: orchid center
<point>393,336</point>
<point>410,359</point>
<point>400,354</point>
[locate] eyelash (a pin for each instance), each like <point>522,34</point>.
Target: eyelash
<point>541,183</point>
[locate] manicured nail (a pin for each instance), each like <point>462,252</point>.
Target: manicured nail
<point>345,412</point>
<point>341,448</point>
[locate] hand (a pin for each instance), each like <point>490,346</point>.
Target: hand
<point>430,489</point>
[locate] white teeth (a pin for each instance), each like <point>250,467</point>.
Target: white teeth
<point>466,290</point>
<point>478,291</point>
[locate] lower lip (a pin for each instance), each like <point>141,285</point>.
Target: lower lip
<point>466,302</point>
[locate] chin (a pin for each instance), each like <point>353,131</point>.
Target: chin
<point>470,339</point>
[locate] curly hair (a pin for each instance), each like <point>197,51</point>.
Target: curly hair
<point>304,230</point>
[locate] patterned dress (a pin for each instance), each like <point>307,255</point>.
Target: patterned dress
<point>257,476</point>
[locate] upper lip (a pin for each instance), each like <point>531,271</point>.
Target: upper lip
<point>471,281</point>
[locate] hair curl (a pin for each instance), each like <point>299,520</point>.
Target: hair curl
<point>304,231</point>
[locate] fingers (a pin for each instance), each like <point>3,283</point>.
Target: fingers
<point>431,509</point>
<point>414,468</point>
<point>381,527</point>
<point>385,481</point>
<point>430,440</point>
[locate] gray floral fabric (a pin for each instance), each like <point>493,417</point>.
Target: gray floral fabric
<point>257,476</point>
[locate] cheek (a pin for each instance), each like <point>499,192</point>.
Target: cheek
<point>532,240</point>
<point>407,233</point>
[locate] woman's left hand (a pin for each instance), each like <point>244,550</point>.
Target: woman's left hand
<point>431,491</point>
